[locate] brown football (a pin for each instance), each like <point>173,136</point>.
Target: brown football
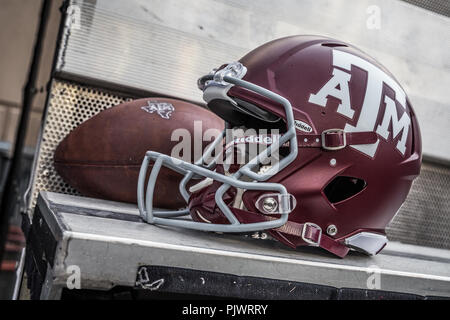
<point>101,158</point>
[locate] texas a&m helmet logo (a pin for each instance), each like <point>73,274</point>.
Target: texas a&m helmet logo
<point>338,87</point>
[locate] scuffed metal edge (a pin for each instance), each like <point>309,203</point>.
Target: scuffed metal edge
<point>60,59</point>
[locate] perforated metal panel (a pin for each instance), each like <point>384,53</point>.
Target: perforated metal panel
<point>438,6</point>
<point>424,219</point>
<point>70,105</point>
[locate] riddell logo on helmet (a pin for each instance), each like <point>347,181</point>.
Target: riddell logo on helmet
<point>302,126</point>
<point>239,145</point>
<point>260,139</point>
<point>338,87</point>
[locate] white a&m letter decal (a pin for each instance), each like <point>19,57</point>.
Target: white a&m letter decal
<point>372,101</point>
<point>340,78</point>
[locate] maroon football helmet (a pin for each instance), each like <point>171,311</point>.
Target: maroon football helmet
<point>349,147</point>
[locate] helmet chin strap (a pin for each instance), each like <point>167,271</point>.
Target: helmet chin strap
<point>309,234</point>
<point>312,235</point>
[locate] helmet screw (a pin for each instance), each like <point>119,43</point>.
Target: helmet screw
<point>270,204</point>
<point>332,230</point>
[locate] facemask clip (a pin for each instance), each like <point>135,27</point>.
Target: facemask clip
<point>234,69</point>
<point>275,203</point>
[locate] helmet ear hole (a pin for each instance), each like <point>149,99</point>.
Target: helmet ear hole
<point>342,188</point>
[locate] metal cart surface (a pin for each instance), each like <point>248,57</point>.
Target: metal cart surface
<point>107,245</point>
